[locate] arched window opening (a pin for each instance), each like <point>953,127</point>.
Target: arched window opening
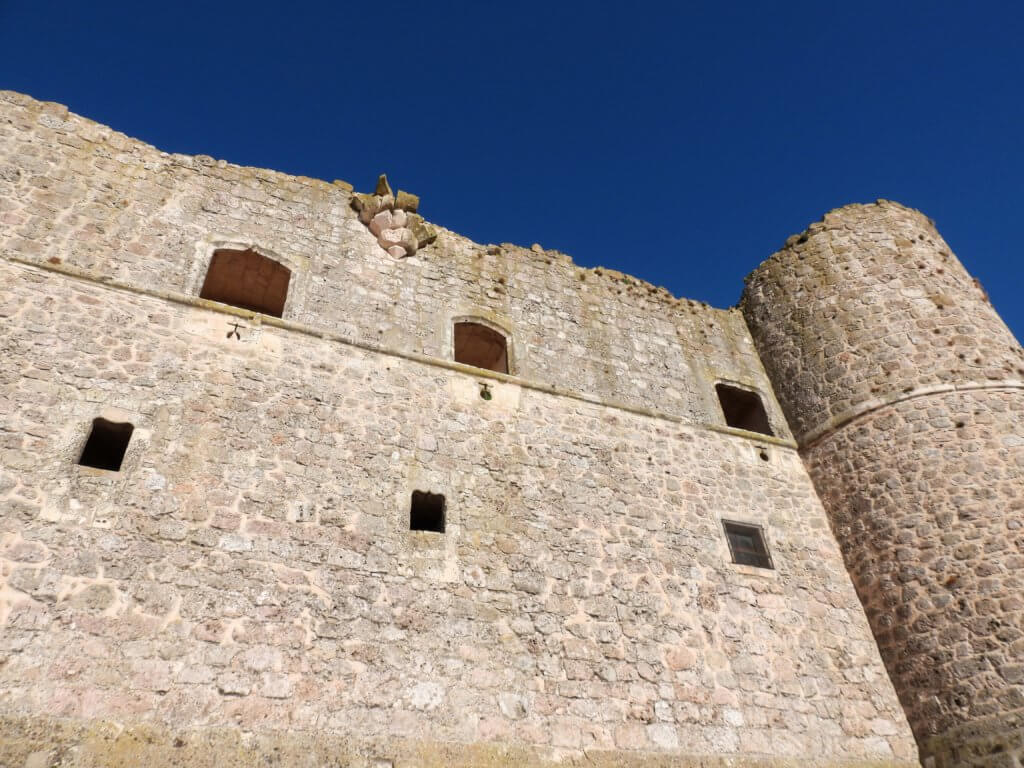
<point>481,347</point>
<point>106,445</point>
<point>743,409</point>
<point>247,280</point>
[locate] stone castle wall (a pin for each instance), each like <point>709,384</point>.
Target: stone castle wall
<point>247,588</point>
<point>252,564</point>
<point>86,196</point>
<point>905,390</point>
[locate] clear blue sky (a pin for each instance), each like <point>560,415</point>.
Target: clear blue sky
<point>679,142</point>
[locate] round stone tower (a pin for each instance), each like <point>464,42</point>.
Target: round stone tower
<point>905,391</point>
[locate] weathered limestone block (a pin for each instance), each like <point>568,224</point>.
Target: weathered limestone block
<point>370,205</point>
<point>424,232</point>
<point>407,201</point>
<point>403,237</point>
<point>383,189</point>
<point>393,221</point>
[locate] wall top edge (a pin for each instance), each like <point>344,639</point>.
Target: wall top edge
<point>346,192</point>
<point>837,218</point>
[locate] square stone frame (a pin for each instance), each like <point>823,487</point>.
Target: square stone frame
<point>754,521</point>
<point>106,512</point>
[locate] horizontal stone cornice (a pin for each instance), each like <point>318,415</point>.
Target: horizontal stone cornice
<point>256,318</point>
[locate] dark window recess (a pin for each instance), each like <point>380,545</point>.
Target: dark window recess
<point>743,409</point>
<point>247,280</point>
<point>426,512</point>
<point>746,543</point>
<point>106,445</point>
<point>481,347</point>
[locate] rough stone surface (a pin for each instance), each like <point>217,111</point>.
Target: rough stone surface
<point>252,560</point>
<point>247,590</point>
<point>156,225</point>
<point>905,389</point>
<point>870,302</point>
<point>935,545</point>
<point>114,745</point>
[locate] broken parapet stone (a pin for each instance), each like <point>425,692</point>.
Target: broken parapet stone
<point>393,220</point>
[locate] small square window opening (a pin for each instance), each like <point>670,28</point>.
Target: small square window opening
<point>747,545</point>
<point>743,409</point>
<point>106,445</point>
<point>426,512</point>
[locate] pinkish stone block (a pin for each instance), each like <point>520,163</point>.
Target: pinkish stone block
<point>382,221</point>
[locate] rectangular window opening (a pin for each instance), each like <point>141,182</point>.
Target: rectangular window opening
<point>426,512</point>
<point>747,545</point>
<point>106,445</point>
<point>743,409</point>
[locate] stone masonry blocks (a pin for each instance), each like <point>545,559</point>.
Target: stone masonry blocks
<point>254,564</point>
<point>247,587</point>
<point>905,391</point>
<point>868,303</point>
<point>924,497</point>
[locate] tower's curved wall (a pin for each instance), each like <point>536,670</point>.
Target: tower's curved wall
<point>870,304</point>
<point>903,387</point>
